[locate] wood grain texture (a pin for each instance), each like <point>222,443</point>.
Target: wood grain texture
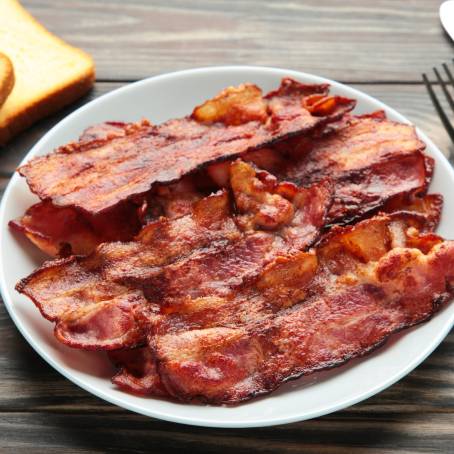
<point>352,40</point>
<point>56,433</point>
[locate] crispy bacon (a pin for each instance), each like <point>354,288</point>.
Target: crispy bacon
<point>89,312</point>
<point>64,231</point>
<point>137,372</point>
<point>362,191</point>
<point>210,246</point>
<point>56,231</point>
<point>221,300</point>
<point>358,143</point>
<point>306,312</point>
<point>430,206</point>
<point>60,232</point>
<point>105,131</point>
<point>96,178</point>
<point>81,293</point>
<point>370,160</point>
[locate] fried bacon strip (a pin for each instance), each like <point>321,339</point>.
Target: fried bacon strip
<point>56,231</point>
<point>430,206</point>
<point>365,190</point>
<point>306,312</point>
<point>370,160</point>
<point>211,246</point>
<point>60,232</point>
<point>221,300</point>
<point>84,304</point>
<point>357,143</point>
<point>95,176</point>
<point>64,231</point>
<point>137,372</point>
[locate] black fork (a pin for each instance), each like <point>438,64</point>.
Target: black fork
<point>444,86</point>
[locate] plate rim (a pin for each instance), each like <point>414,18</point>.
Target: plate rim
<point>266,422</point>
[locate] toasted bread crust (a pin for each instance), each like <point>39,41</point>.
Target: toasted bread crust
<point>30,99</point>
<point>45,106</point>
<point>6,77</point>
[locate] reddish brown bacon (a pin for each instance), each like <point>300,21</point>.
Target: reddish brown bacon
<point>96,177</point>
<point>219,298</point>
<point>356,143</point>
<point>211,246</point>
<point>367,189</point>
<point>64,231</point>
<point>80,293</point>
<point>60,232</point>
<point>305,313</point>
<point>137,372</point>
<point>370,160</point>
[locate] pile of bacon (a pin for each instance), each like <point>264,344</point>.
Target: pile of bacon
<point>219,255</point>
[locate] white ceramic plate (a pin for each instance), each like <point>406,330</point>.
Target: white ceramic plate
<point>174,95</point>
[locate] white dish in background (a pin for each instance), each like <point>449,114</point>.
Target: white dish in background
<point>447,17</point>
<point>174,95</point>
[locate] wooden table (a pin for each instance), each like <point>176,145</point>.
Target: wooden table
<point>381,47</point>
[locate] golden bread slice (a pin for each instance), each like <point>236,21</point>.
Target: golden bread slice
<point>49,73</point>
<point>6,77</point>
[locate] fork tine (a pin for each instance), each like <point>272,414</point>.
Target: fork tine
<point>444,119</point>
<point>445,90</point>
<point>448,73</point>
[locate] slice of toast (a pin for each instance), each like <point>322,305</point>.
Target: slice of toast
<point>49,73</point>
<point>6,77</point>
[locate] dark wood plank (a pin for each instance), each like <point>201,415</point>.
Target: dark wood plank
<point>43,432</point>
<point>410,100</point>
<point>350,40</point>
<point>3,183</point>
